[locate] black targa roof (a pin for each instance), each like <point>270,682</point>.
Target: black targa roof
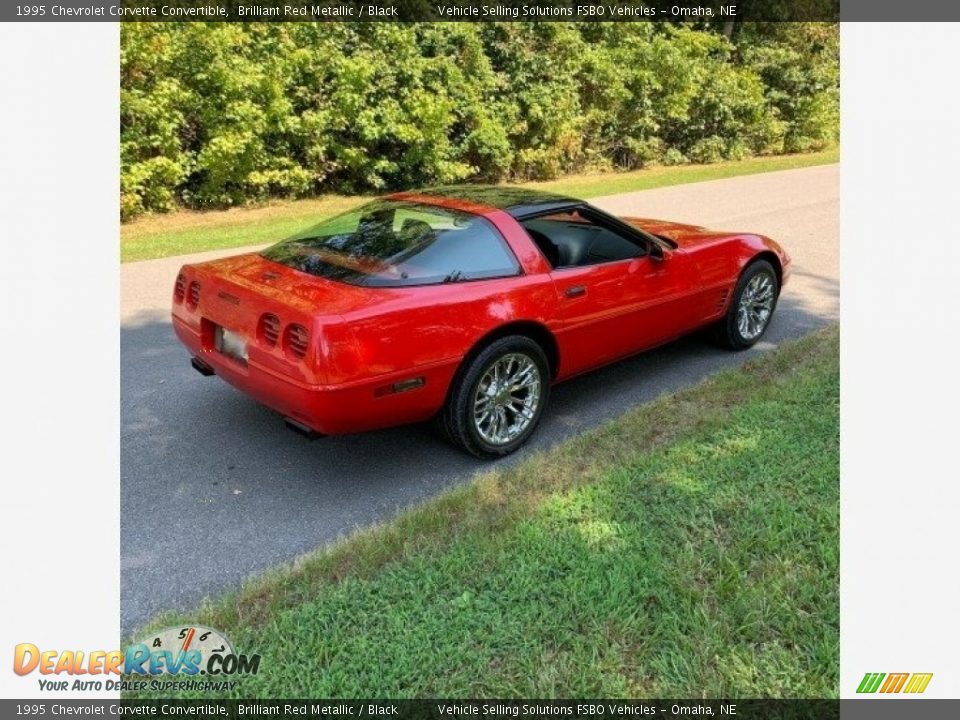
<point>518,201</point>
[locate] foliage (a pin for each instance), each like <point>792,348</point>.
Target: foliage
<point>215,115</point>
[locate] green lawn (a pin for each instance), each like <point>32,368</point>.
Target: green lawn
<point>687,549</point>
<point>187,232</point>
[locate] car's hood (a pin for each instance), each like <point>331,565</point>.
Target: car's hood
<point>681,233</point>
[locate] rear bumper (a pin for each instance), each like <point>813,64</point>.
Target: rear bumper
<point>327,409</point>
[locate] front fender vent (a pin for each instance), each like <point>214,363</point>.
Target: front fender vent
<point>722,299</point>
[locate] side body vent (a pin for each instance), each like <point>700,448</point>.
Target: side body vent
<point>722,299</point>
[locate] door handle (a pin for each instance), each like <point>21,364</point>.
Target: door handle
<point>575,291</point>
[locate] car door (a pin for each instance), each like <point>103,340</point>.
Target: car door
<point>610,304</point>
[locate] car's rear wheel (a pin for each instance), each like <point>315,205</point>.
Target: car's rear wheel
<point>498,397</point>
<point>752,306</point>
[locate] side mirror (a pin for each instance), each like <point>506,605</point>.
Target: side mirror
<point>656,252</point>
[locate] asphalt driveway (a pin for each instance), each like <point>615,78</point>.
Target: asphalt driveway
<point>215,489</point>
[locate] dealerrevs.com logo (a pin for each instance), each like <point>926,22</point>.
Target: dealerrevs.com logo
<point>891,683</point>
<point>183,653</point>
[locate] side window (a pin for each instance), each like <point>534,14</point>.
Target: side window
<point>441,247</point>
<point>568,239</point>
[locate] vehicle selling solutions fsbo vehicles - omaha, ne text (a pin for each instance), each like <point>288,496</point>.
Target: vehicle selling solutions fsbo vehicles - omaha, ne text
<point>463,304</point>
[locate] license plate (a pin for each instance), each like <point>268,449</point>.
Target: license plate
<point>231,344</point>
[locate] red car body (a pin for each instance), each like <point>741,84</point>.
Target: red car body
<point>343,358</point>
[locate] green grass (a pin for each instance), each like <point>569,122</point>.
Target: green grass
<point>687,549</point>
<point>188,232</point>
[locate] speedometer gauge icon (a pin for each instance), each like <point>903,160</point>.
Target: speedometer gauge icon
<point>179,641</point>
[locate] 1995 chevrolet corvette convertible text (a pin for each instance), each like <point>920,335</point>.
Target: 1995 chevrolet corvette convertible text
<point>463,304</point>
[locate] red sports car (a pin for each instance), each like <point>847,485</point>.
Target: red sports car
<point>463,304</point>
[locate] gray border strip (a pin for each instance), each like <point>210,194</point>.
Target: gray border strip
<point>410,10</point>
<point>756,709</point>
<point>471,10</point>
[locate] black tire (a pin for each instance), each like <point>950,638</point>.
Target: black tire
<point>727,332</point>
<point>457,419</point>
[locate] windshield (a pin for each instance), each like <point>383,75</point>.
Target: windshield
<point>391,243</point>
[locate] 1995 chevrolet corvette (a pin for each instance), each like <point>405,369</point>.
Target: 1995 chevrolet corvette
<point>463,304</point>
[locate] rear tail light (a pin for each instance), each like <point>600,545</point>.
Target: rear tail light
<point>193,297</point>
<point>180,289</point>
<point>269,330</point>
<point>295,340</point>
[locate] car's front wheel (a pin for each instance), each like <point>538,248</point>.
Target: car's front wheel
<point>752,306</point>
<point>498,397</point>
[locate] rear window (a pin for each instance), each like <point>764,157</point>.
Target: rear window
<point>390,243</point>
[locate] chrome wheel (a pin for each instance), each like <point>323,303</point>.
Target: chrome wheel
<point>507,398</point>
<point>756,306</point>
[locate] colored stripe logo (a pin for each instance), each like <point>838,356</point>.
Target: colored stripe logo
<point>894,683</point>
<point>918,682</point>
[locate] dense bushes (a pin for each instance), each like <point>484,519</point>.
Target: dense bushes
<point>214,115</point>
